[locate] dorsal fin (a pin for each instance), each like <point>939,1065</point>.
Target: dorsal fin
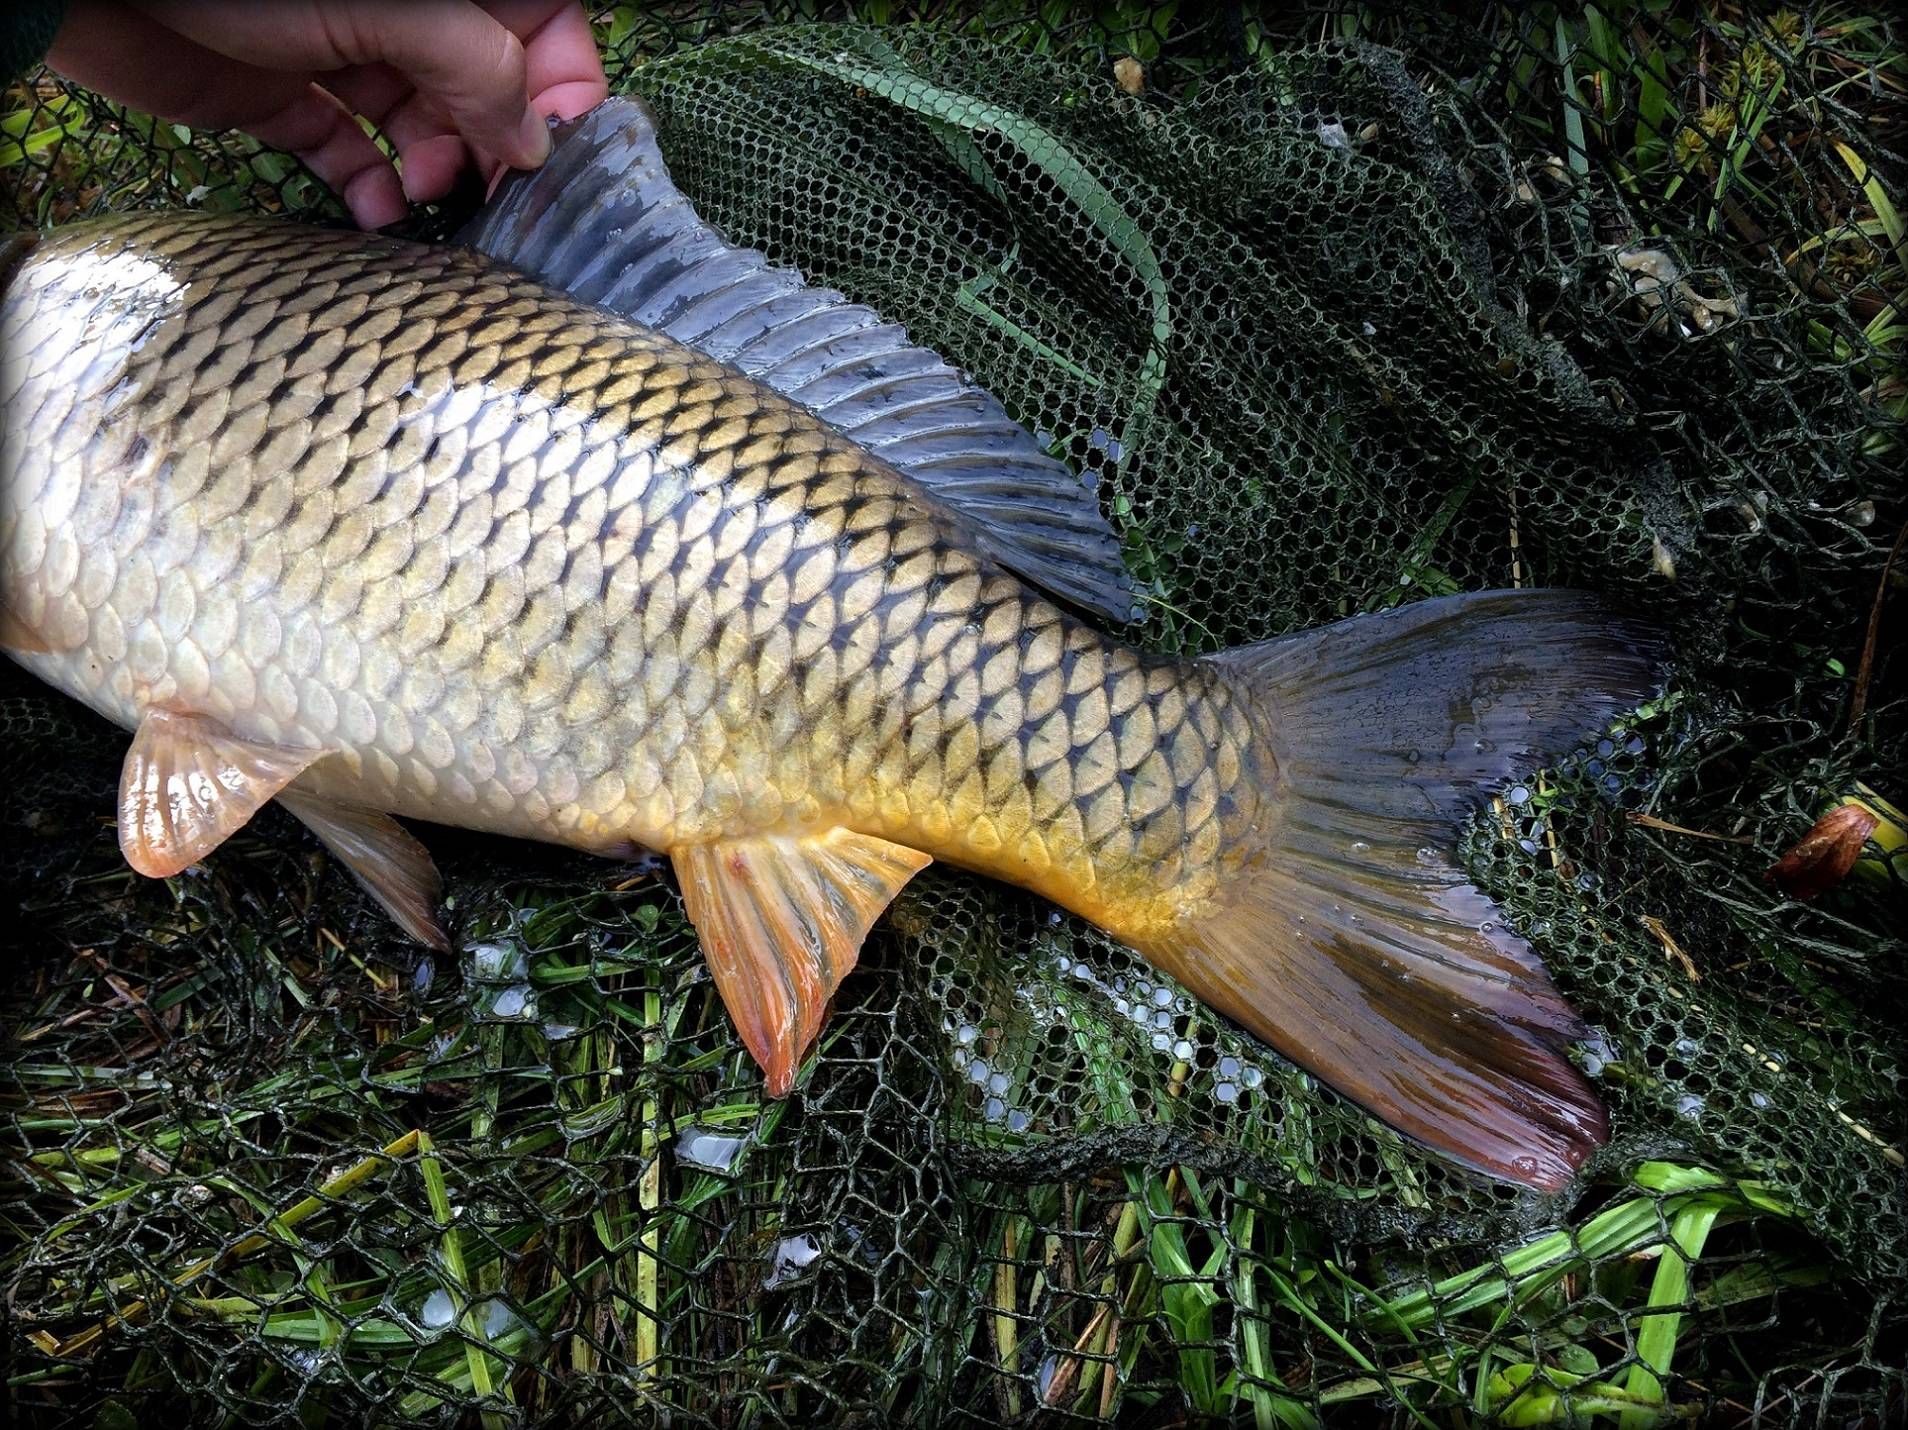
<point>602,221</point>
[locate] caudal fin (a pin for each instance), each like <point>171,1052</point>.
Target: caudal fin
<point>1356,946</point>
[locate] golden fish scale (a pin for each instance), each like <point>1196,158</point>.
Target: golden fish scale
<point>530,568</point>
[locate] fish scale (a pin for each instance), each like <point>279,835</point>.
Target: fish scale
<point>378,529</point>
<point>528,568</point>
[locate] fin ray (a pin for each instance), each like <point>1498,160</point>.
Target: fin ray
<point>1354,945</point>
<point>384,856</point>
<point>603,221</point>
<point>782,919</point>
<point>188,784</point>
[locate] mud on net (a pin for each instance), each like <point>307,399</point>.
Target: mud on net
<point>1544,296</point>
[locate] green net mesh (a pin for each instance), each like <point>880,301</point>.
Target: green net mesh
<point>1342,309</point>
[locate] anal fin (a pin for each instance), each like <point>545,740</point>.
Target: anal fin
<point>384,856</point>
<point>782,919</point>
<point>189,784</point>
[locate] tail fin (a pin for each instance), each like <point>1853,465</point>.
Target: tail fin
<point>1357,948</point>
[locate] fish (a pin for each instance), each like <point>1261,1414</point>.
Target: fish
<point>594,529</point>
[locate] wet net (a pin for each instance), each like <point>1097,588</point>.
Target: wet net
<point>1342,311</point>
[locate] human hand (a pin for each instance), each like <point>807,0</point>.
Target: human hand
<point>449,82</point>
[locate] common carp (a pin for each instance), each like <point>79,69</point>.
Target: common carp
<point>594,529</point>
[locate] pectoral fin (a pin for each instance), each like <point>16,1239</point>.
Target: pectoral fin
<point>782,919</point>
<point>189,783</point>
<point>386,858</point>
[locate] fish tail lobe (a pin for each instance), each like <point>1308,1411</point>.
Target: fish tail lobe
<point>1347,937</point>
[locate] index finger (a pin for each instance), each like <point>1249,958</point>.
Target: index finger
<point>564,68</point>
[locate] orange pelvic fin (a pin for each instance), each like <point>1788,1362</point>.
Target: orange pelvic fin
<point>189,784</point>
<point>782,919</point>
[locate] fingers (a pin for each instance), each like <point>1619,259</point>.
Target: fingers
<point>430,153</point>
<point>565,71</point>
<point>131,58</point>
<point>323,133</point>
<point>460,58</point>
<point>447,80</point>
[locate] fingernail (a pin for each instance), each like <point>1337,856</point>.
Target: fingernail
<point>533,138</point>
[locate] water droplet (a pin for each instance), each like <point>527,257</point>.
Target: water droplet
<point>1162,997</point>
<point>707,1150</point>
<point>1163,1019</point>
<point>1518,795</point>
<point>560,1032</point>
<point>1524,1166</point>
<point>994,1109</point>
<point>499,1319</point>
<point>1055,918</point>
<point>1597,1054</point>
<point>1686,1047</point>
<point>423,976</point>
<point>438,1311</point>
<point>1226,1092</point>
<point>791,1256</point>
<point>977,1071</point>
<point>1161,1042</point>
<point>1359,846</point>
<point>1017,1120</point>
<point>1183,1050</point>
<point>1044,1380</point>
<point>496,962</point>
<point>1228,1066</point>
<point>512,1002</point>
<point>966,1034</point>
<point>1253,1077</point>
<point>1758,1100</point>
<point>1689,1105</point>
<point>1862,513</point>
<point>999,1082</point>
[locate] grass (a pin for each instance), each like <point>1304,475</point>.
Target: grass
<point>539,1221</point>
<point>330,1188</point>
